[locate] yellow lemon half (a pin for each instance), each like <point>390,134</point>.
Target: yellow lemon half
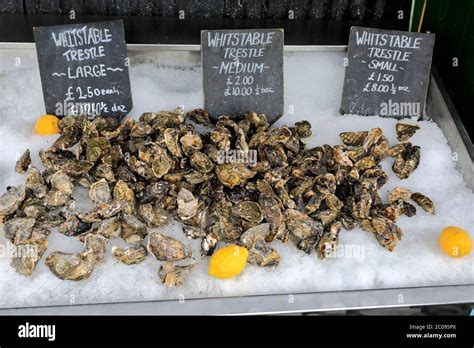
<point>228,262</point>
<point>47,125</point>
<point>455,241</point>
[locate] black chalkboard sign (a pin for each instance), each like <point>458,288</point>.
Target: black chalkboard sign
<point>243,71</point>
<point>387,73</point>
<point>84,69</point>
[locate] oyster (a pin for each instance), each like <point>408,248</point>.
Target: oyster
<point>424,202</point>
<point>153,215</point>
<point>75,167</point>
<point>131,255</point>
<point>133,230</point>
<point>122,192</point>
<point>201,162</point>
<point>303,129</point>
<point>23,162</point>
<point>193,232</point>
<point>61,189</point>
<point>254,234</point>
<point>19,229</point>
<point>187,204</point>
<point>96,243</point>
<point>399,194</point>
<point>173,275</point>
<point>301,225</point>
<point>386,232</point>
<point>142,173</point>
<point>407,161</point>
<point>248,210</point>
<point>208,244</point>
<point>166,248</point>
<point>172,142</point>
<point>199,116</point>
<point>329,241</point>
<point>27,255</point>
<point>97,148</point>
<point>405,130</point>
<point>191,143</point>
<point>35,183</point>
<point>73,226</point>
<point>372,138</point>
<point>233,174</point>
<point>99,192</point>
<point>11,200</point>
<point>71,266</point>
<point>109,228</point>
<point>353,138</point>
<point>262,255</point>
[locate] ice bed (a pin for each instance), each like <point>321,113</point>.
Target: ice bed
<point>163,77</point>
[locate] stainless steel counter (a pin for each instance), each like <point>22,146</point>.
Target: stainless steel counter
<point>438,109</point>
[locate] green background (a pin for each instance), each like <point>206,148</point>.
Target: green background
<point>453,23</point>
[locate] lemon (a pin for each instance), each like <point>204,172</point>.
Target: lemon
<point>47,125</point>
<point>228,262</point>
<point>455,241</point>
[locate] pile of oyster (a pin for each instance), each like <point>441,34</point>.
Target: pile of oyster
<point>142,174</point>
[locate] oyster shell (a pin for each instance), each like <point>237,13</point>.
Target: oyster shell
<point>133,230</point>
<point>199,116</point>
<point>329,241</point>
<point>122,192</point>
<point>35,183</point>
<point>23,162</point>
<point>109,228</point>
<point>166,248</point>
<point>11,200</point>
<point>96,243</point>
<point>407,161</point>
<point>75,167</point>
<point>27,255</point>
<point>131,255</point>
<point>233,174</point>
<point>301,225</point>
<point>73,226</point>
<point>386,232</point>
<point>19,229</point>
<point>153,215</point>
<point>254,234</point>
<point>424,202</point>
<point>399,194</point>
<point>353,138</point>
<point>187,204</point>
<point>191,143</point>
<point>262,255</point>
<point>208,244</point>
<point>99,192</point>
<point>172,142</point>
<point>160,167</point>
<point>97,148</point>
<point>173,275</point>
<point>405,130</point>
<point>303,129</point>
<point>248,210</point>
<point>71,266</point>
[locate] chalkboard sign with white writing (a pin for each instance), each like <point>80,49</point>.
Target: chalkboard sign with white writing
<point>387,73</point>
<point>84,69</point>
<point>243,71</point>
